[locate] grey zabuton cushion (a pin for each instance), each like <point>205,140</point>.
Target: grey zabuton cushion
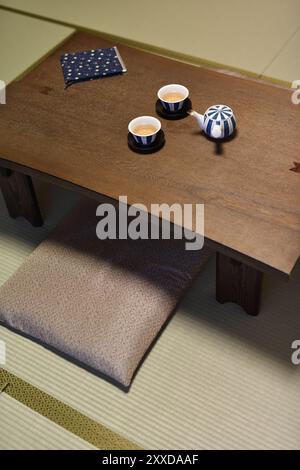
<point>100,303</point>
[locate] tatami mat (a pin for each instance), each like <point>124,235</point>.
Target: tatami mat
<point>60,413</point>
<point>24,41</point>
<point>22,428</point>
<point>286,65</point>
<point>236,33</point>
<point>216,378</point>
<point>17,236</point>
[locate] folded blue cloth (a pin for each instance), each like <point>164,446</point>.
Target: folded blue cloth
<point>90,65</point>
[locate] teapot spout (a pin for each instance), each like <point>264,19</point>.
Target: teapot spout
<point>199,118</point>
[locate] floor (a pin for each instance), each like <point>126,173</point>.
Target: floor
<point>261,37</point>
<point>217,378</point>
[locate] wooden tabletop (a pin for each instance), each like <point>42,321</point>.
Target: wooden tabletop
<point>252,199</point>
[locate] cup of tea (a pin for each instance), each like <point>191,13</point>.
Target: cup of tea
<point>144,129</point>
<point>172,97</point>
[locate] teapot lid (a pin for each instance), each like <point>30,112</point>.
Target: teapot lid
<point>219,112</point>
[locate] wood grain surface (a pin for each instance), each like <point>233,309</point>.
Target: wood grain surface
<point>19,196</point>
<point>79,135</point>
<point>239,283</point>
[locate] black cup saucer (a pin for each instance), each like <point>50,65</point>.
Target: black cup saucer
<point>181,114</point>
<point>151,148</point>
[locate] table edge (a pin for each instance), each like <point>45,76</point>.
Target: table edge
<point>57,181</point>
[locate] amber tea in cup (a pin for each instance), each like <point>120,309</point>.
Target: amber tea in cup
<point>144,129</point>
<point>172,97</point>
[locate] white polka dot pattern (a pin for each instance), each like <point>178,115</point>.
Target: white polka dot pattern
<point>90,65</point>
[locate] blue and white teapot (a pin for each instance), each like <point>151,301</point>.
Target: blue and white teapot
<point>217,122</point>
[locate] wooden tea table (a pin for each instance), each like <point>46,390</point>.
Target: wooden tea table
<point>78,138</point>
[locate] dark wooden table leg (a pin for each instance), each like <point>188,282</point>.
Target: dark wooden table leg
<point>239,283</point>
<point>19,195</point>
